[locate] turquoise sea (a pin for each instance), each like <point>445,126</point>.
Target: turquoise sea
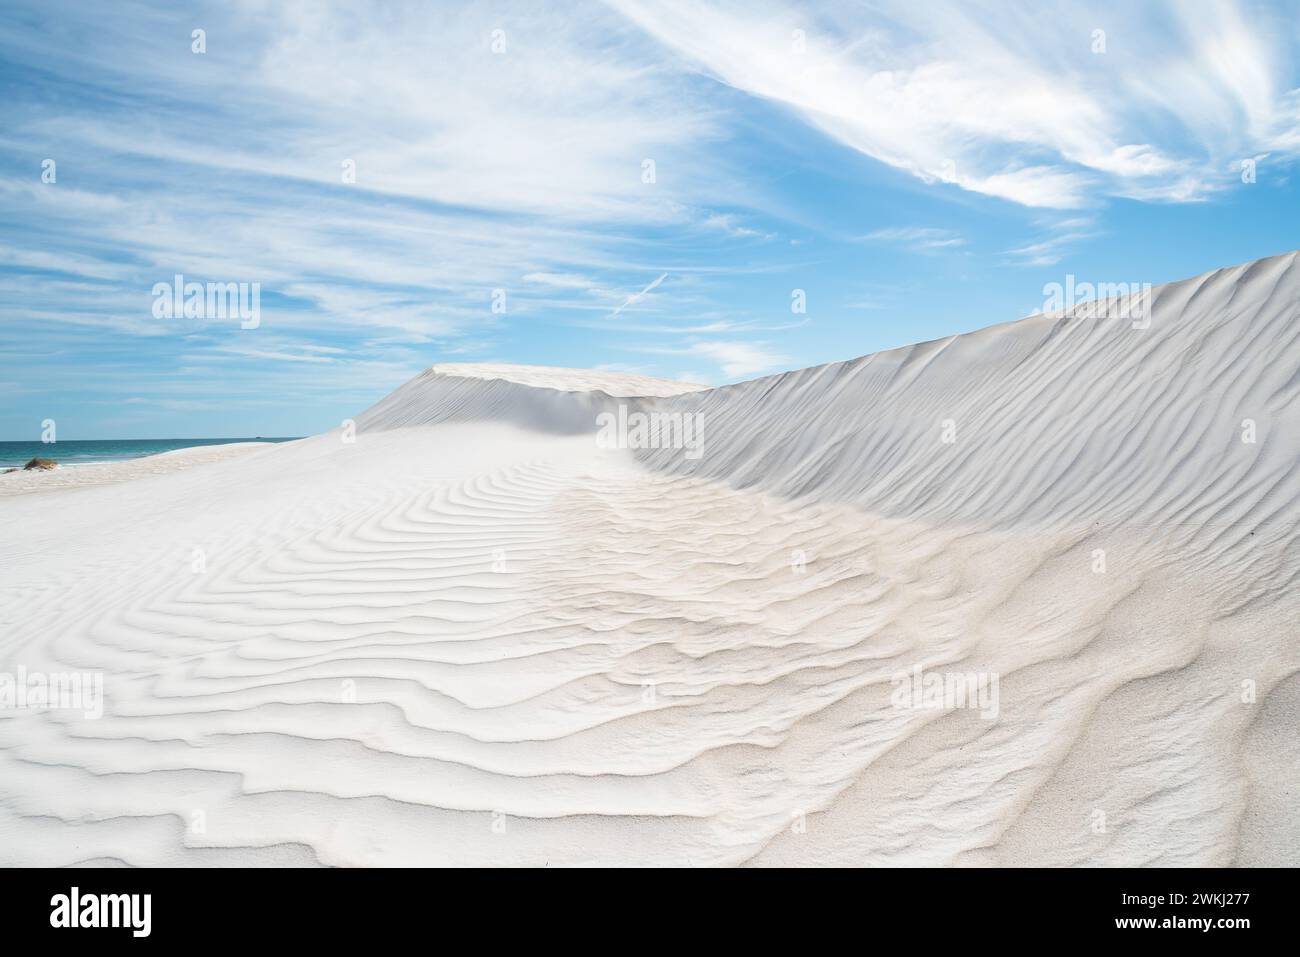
<point>94,451</point>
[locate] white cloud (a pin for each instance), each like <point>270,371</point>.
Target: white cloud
<point>915,237</point>
<point>558,122</point>
<point>561,280</point>
<point>1009,101</point>
<point>475,170</point>
<point>729,224</point>
<point>738,360</point>
<point>272,355</point>
<point>1051,248</point>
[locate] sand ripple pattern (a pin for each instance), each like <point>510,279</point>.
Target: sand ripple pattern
<point>471,638</point>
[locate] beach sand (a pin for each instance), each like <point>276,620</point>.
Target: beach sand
<point>21,481</point>
<point>476,635</point>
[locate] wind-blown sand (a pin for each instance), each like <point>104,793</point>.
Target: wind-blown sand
<point>474,635</point>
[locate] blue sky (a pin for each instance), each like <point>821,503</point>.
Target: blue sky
<point>916,169</point>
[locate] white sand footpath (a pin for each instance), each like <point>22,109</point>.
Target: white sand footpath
<point>473,636</point>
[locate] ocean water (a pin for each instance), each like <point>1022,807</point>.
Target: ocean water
<point>97,451</point>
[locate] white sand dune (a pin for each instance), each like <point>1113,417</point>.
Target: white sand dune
<point>475,635</point>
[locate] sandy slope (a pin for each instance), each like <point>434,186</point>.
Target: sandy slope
<point>474,636</point>
<point>21,481</point>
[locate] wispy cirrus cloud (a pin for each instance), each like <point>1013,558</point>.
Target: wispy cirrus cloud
<point>1045,105</point>
<point>737,359</point>
<point>381,196</point>
<point>729,224</point>
<point>920,238</point>
<point>1057,237</point>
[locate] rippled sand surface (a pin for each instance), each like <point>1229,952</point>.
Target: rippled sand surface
<point>475,636</point>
